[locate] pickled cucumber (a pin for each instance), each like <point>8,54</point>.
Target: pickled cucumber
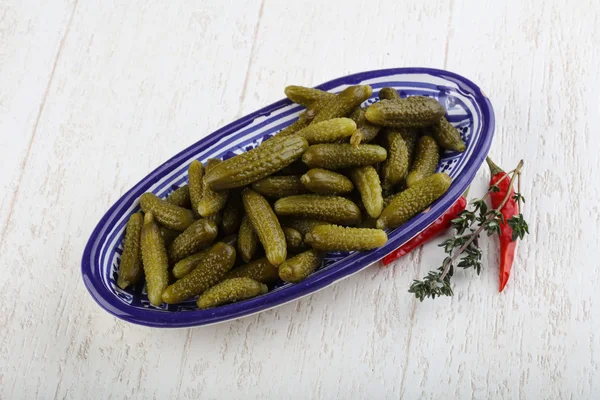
<point>411,137</point>
<point>279,186</point>
<point>266,225</point>
<point>365,131</point>
<point>180,197</point>
<point>343,103</point>
<point>168,235</point>
<point>232,213</point>
<point>247,242</point>
<point>167,214</point>
<point>195,184</point>
<point>257,163</point>
<point>299,267</point>
<point>388,93</point>
<point>334,209</point>
<point>447,136</point>
<point>198,236</point>
<point>155,259</point>
<point>231,290</point>
<point>211,269</point>
<point>427,157</point>
<point>210,201</point>
<point>260,270</point>
<point>329,131</point>
<point>322,181</point>
<point>187,265</point>
<point>337,156</point>
<point>305,96</point>
<point>302,225</point>
<point>413,200</point>
<point>368,185</point>
<point>293,239</point>
<point>130,269</point>
<point>300,123</point>
<point>341,238</point>
<point>412,112</point>
<point>394,169</point>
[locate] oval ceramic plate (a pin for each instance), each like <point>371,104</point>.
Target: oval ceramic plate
<point>467,108</point>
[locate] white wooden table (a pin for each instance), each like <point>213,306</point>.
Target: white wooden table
<point>95,94</point>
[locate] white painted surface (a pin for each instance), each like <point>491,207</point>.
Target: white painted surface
<point>94,94</point>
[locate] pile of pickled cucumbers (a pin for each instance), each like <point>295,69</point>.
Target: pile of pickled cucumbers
<point>333,181</point>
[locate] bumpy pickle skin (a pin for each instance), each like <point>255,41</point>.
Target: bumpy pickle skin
<point>247,242</point>
<point>334,209</point>
<point>447,136</point>
<point>258,163</point>
<point>344,155</point>
<point>329,131</point>
<point>388,93</point>
<point>211,202</point>
<point>303,225</point>
<point>195,183</point>
<point>299,267</point>
<point>266,225</point>
<point>230,291</point>
<point>293,239</point>
<point>302,122</point>
<point>131,269</point>
<point>341,238</point>
<point>427,158</point>
<point>411,137</point>
<point>394,169</point>
<point>343,103</point>
<point>276,187</point>
<point>155,260</point>
<point>180,197</point>
<point>306,96</point>
<point>413,200</point>
<point>412,112</point>
<point>167,214</point>
<point>198,236</point>
<point>260,270</point>
<point>187,265</point>
<point>365,131</point>
<point>233,212</point>
<point>368,185</point>
<point>322,181</point>
<point>209,271</point>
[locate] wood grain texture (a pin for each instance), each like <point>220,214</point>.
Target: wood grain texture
<point>99,94</point>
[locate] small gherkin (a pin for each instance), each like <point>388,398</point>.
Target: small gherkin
<point>156,261</point>
<point>231,290</point>
<point>130,268</point>
<point>299,267</point>
<point>341,238</point>
<point>167,214</point>
<point>427,158</point>
<point>332,209</point>
<point>412,112</point>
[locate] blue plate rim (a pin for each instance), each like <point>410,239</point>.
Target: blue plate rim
<point>162,319</point>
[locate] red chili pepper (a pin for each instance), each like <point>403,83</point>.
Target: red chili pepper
<point>510,209</point>
<point>431,232</point>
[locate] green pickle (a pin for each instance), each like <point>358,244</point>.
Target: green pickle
<point>168,235</point>
<point>323,181</point>
<point>303,225</point>
<point>195,183</point>
<point>279,186</point>
<point>412,112</point>
<point>155,260</point>
<point>187,265</point>
<point>411,137</point>
<point>448,136</point>
<point>427,158</point>
<point>388,93</point>
<point>167,214</point>
<point>299,267</point>
<point>247,242</point>
<point>368,185</point>
<point>341,238</point>
<point>413,200</point>
<point>198,236</point>
<point>301,122</point>
<point>365,131</point>
<point>258,163</point>
<point>229,291</point>
<point>180,197</point>
<point>260,270</point>
<point>334,209</point>
<point>210,201</point>
<point>394,169</point>
<point>293,239</point>
<point>329,131</point>
<point>209,271</point>
<point>345,155</point>
<point>305,96</point>
<point>266,225</point>
<point>130,268</point>
<point>343,103</point>
<point>233,212</point>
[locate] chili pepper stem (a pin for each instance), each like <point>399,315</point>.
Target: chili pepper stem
<point>475,235</point>
<point>494,168</point>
